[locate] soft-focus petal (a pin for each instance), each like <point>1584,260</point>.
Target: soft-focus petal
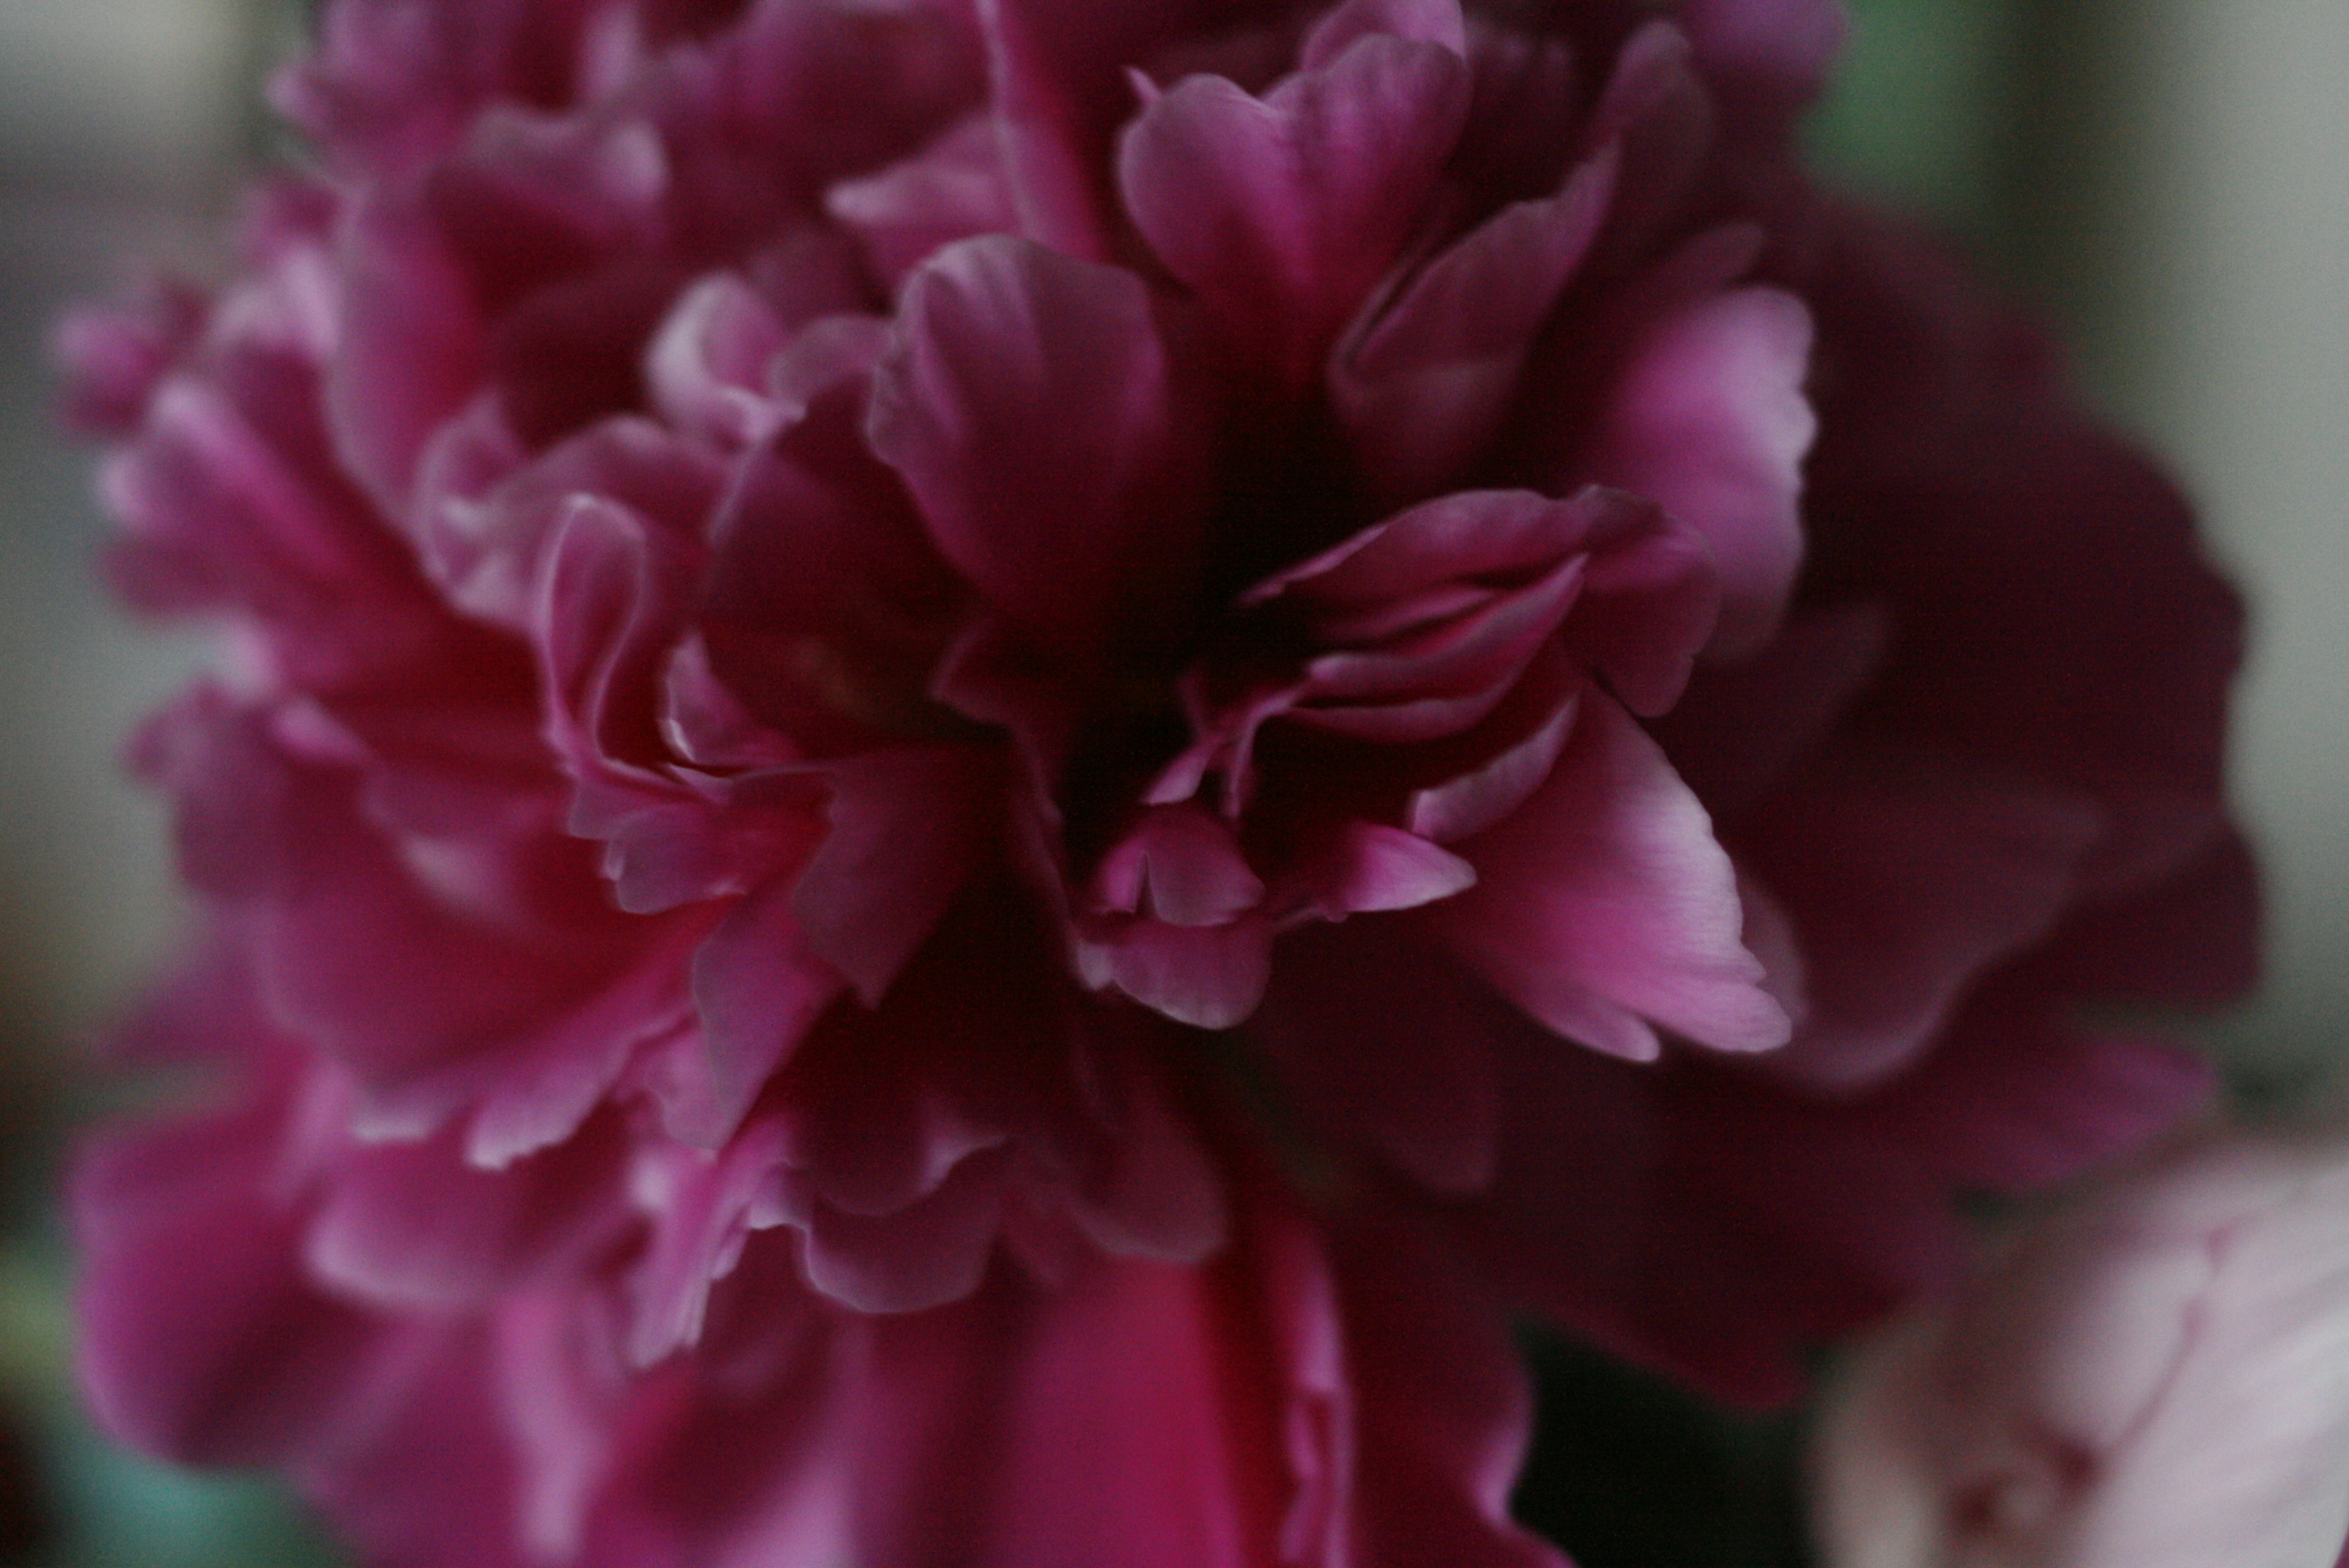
<point>1711,422</point>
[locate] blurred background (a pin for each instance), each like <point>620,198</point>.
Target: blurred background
<point>2168,178</point>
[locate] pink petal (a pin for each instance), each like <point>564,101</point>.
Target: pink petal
<point>1604,903</point>
<point>1045,109</point>
<point>706,367</point>
<point>1208,976</point>
<point>706,725</point>
<point>1659,113</point>
<point>1344,1024</point>
<point>1369,868</point>
<point>2191,941</point>
<point>487,550</point>
<point>412,1227</point>
<point>837,350</point>
<point>906,829</point>
<point>702,1203</point>
<point>200,1340</point>
<point>1423,390</point>
<point>760,988</point>
<point>1710,421</point>
<point>611,600</point>
<point>1179,864</point>
<point>1454,538</point>
<point>1283,214</point>
<point>1437,21</point>
<point>1159,1193</point>
<point>2013,1103</point>
<point>932,1252</point>
<point>1506,758</point>
<point>1906,885</point>
<point>1027,403</point>
<point>1141,1414</point>
<point>411,351</point>
<point>827,603</point>
<point>1446,1411</point>
<point>952,189</point>
<point>1771,56</point>
<point>1742,727</point>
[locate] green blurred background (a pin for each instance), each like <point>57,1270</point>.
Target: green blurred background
<point>2169,178</point>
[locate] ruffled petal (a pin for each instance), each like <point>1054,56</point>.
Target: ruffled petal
<point>1424,384</point>
<point>1604,906</point>
<point>1283,212</point>
<point>1029,405</point>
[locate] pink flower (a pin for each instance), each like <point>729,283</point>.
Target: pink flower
<point>2158,1374</point>
<point>1073,675</point>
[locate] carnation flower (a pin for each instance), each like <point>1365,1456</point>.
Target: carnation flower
<point>919,691</point>
<point>2152,1374</point>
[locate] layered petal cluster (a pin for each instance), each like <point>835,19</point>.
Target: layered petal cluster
<point>946,722</point>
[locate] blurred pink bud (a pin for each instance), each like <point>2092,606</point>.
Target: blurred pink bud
<point>2156,1377</point>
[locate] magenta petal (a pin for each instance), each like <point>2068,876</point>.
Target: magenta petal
<point>1343,1024</point>
<point>1771,57</point>
<point>705,367</point>
<point>2011,1103</point>
<point>200,1340</point>
<point>1160,1194</point>
<point>1440,681</point>
<point>905,831</point>
<point>412,349</point>
<point>702,1206</point>
<point>1140,1414</point>
<point>1425,389</point>
<point>1659,111</point>
<point>610,600</point>
<point>1906,886</point>
<point>760,988</point>
<point>706,725</point>
<point>1455,539</point>
<point>1444,1408</point>
<point>412,1227</point>
<point>1604,903</point>
<point>1648,605</point>
<point>952,189</point>
<point>1711,422</point>
<point>1741,728</point>
<point>1041,125</point>
<point>1437,21</point>
<point>563,1072</point>
<point>2190,941</point>
<point>1283,214</point>
<point>1467,803</point>
<point>1028,403</point>
<point>1209,976</point>
<point>486,550</point>
<point>1180,864</point>
<point>1368,867</point>
<point>928,1253</point>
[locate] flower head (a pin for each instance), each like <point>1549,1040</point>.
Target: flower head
<point>1058,672</point>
